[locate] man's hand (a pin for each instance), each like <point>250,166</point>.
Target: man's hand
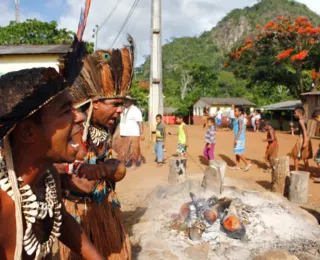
<point>265,140</point>
<point>112,170</point>
<point>142,137</point>
<point>304,145</point>
<point>235,142</point>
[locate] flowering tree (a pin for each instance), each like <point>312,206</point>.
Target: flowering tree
<point>290,46</point>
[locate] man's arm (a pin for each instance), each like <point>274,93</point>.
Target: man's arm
<point>72,235</point>
<point>112,170</point>
<point>141,130</point>
<point>164,135</point>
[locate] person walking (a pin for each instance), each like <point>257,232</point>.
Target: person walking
<point>273,146</point>
<point>160,140</point>
<point>182,137</point>
<point>302,150</point>
<point>239,139</point>
<point>210,140</point>
<point>253,120</point>
<point>205,116</point>
<point>231,117</point>
<point>218,116</point>
<point>131,132</point>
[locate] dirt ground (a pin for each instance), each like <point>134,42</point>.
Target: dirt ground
<point>133,191</point>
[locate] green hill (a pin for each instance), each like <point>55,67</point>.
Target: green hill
<point>190,54</point>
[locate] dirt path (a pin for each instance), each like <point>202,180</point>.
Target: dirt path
<point>135,188</point>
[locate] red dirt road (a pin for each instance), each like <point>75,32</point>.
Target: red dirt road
<point>137,185</point>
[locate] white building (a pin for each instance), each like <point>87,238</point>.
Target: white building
<point>18,57</point>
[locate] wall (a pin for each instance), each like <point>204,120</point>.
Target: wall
<point>10,63</point>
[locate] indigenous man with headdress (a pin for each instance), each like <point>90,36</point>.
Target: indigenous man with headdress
<point>36,120</point>
<point>99,92</point>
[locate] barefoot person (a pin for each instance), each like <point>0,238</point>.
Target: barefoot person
<point>239,139</point>
<point>160,140</point>
<point>36,120</point>
<point>94,204</point>
<point>302,150</point>
<point>273,147</point>
<point>316,117</point>
<point>210,140</point>
<point>131,132</point>
<point>205,116</point>
<point>182,137</point>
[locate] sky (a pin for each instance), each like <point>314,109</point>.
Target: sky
<point>179,18</point>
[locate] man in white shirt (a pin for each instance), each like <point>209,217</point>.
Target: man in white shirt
<point>231,117</point>
<point>218,116</point>
<point>131,131</point>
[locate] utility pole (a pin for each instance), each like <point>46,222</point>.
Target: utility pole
<point>17,10</point>
<point>155,95</point>
<point>95,35</point>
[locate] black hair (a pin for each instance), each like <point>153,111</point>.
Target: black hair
<point>180,116</point>
<point>316,113</point>
<point>211,119</point>
<point>240,108</point>
<point>267,123</point>
<point>300,110</point>
<point>160,116</point>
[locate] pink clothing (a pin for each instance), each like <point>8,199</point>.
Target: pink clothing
<point>209,152</point>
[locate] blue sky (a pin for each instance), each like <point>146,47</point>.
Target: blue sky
<point>179,18</point>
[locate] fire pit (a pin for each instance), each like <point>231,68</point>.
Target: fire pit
<point>184,222</point>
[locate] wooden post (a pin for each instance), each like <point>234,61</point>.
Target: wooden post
<point>177,170</point>
<point>299,187</point>
<point>280,175</point>
<point>214,176</point>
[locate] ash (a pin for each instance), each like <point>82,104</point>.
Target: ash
<point>270,222</point>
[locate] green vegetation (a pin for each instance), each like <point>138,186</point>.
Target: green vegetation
<point>33,31</point>
<point>193,67</point>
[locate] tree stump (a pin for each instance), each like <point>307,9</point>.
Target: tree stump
<point>177,170</point>
<point>299,187</point>
<point>214,176</point>
<point>280,175</point>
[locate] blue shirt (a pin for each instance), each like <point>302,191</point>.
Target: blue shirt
<point>236,128</point>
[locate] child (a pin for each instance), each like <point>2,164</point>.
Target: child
<point>218,116</point>
<point>182,137</point>
<point>160,140</point>
<point>239,139</point>
<point>272,148</point>
<point>316,117</point>
<point>210,140</point>
<point>302,150</point>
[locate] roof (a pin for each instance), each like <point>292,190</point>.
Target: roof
<point>312,93</point>
<point>169,110</point>
<point>226,101</point>
<point>286,105</point>
<point>34,49</point>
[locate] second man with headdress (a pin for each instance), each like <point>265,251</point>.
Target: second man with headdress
<point>99,93</point>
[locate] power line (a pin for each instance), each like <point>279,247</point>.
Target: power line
<point>133,7</point>
<point>110,14</point>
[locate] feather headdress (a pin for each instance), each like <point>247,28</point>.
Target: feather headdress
<point>106,74</point>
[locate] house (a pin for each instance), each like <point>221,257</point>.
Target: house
<point>18,57</point>
<point>224,104</point>
<point>281,114</point>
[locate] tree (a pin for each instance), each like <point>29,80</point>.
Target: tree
<point>33,31</point>
<point>281,52</point>
<point>186,80</point>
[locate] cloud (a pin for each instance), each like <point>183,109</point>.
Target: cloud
<point>179,18</point>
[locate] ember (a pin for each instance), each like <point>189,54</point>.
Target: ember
<point>237,224</point>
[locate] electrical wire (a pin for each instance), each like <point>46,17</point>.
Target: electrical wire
<point>133,7</point>
<point>110,14</point>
